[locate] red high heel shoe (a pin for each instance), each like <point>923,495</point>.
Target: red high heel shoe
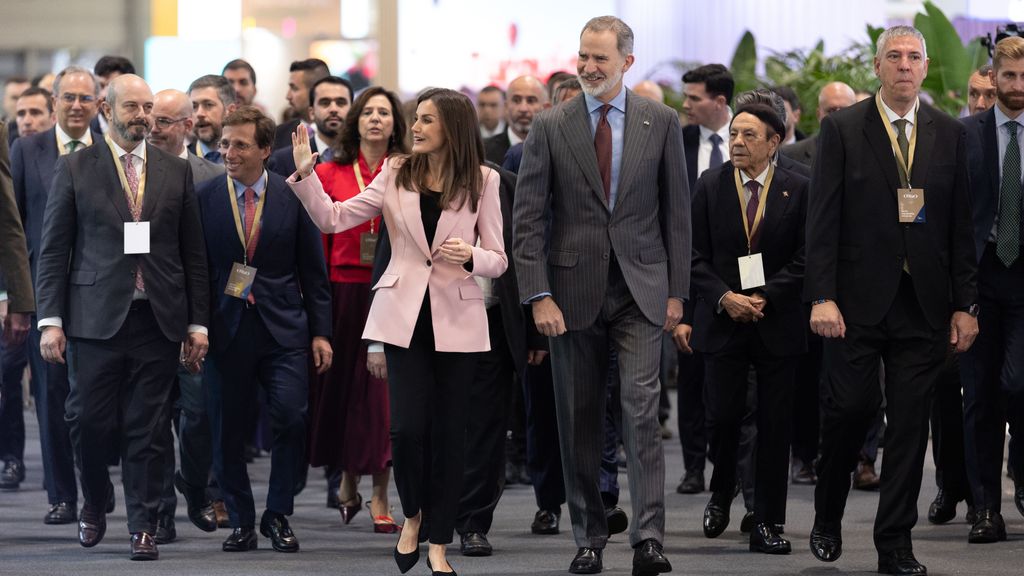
<point>384,524</point>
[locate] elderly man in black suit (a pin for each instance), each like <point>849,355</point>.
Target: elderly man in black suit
<point>122,272</point>
<point>891,274</point>
<point>607,265</point>
<point>748,269</point>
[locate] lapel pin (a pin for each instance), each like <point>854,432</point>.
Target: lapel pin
<point>785,194</point>
<point>647,122</point>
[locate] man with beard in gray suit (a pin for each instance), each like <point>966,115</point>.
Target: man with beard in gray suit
<point>608,264</point>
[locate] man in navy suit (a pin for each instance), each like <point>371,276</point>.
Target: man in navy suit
<point>33,161</point>
<point>264,331</point>
<point>993,386</point>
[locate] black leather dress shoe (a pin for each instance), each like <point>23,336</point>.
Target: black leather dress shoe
<point>545,522</point>
<point>649,559</point>
<point>587,561</point>
<point>165,532</point>
<point>764,538</point>
<point>826,545</point>
<point>275,526</point>
<point>240,540</point>
<point>12,475</point>
<point>475,544</point>
<point>988,527</point>
<point>900,562</point>
<point>617,520</point>
<point>92,525</point>
<point>692,483</point>
<point>60,513</point>
<point>716,516</point>
<point>200,509</point>
<point>943,508</point>
<point>747,522</point>
<point>111,501</point>
<point>143,547</point>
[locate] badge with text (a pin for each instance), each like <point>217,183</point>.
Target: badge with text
<point>751,271</point>
<point>367,247</point>
<point>136,237</point>
<point>911,205</point>
<point>240,281</point>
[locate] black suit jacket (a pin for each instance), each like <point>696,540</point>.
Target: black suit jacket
<point>719,239</point>
<point>495,147</point>
<point>293,295</point>
<point>802,151</point>
<point>691,143</point>
<point>517,319</point>
<point>282,161</point>
<point>856,245</point>
<point>283,134</point>
<point>83,275</point>
<point>983,162</point>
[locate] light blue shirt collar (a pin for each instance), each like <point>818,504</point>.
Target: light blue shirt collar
<point>618,103</point>
<point>259,187</point>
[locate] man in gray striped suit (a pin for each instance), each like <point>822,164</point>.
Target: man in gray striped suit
<point>602,243</point>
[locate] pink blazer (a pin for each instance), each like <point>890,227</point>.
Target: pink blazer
<point>456,301</point>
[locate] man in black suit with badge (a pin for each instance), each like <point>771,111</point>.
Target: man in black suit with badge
<point>891,275</point>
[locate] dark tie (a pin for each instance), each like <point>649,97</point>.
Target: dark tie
<point>754,188</point>
<point>716,151</point>
<point>133,195</point>
<point>327,155</point>
<point>603,147</point>
<point>1008,231</point>
<point>904,144</point>
<point>73,145</point>
<point>213,156</point>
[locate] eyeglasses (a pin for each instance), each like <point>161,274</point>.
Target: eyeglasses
<point>83,98</point>
<point>165,123</point>
<point>240,146</point>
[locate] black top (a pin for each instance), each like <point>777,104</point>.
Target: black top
<point>430,211</point>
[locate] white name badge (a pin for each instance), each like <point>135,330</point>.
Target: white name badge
<point>751,271</point>
<point>136,237</point>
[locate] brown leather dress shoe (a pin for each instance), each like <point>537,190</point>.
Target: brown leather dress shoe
<point>144,547</point>
<point>92,525</point>
<point>865,477</point>
<point>221,513</point>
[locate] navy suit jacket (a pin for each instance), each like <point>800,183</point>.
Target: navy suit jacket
<point>282,161</point>
<point>291,289</point>
<point>33,164</point>
<point>983,168</point>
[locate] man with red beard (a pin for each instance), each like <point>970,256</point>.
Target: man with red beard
<point>213,98</point>
<point>329,101</point>
<point>991,370</point>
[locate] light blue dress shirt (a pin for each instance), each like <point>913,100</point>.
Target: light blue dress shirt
<point>258,188</point>
<point>617,121</point>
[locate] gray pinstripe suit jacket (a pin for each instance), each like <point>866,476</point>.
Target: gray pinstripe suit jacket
<point>566,251</point>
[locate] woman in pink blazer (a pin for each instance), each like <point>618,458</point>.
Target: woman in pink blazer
<point>443,218</point>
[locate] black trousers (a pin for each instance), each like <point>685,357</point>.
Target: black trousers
<point>12,414</point>
<point>805,402</point>
<point>120,388</point>
<point>544,457</point>
<point>189,415</point>
<point>254,360</point>
<point>726,402</point>
<point>948,433</point>
<point>690,409</point>
<point>429,391</point>
<point>913,353</point>
<point>994,381</point>
<point>487,407</point>
<point>51,389</point>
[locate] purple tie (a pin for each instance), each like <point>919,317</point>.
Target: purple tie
<point>603,147</point>
<point>754,187</point>
<point>136,210</point>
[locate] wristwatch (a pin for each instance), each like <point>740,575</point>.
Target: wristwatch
<point>973,310</point>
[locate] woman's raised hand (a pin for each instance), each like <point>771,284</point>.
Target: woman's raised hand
<point>304,157</point>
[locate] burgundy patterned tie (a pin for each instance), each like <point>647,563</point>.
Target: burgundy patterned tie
<point>754,187</point>
<point>603,147</point>
<point>133,194</point>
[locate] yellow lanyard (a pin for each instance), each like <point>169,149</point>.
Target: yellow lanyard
<point>361,184</point>
<point>905,163</point>
<point>136,203</point>
<point>238,219</point>
<point>762,200</point>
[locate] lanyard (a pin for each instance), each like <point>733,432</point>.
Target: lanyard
<point>136,203</point>
<point>762,200</point>
<point>361,183</point>
<point>905,163</point>
<point>238,220</point>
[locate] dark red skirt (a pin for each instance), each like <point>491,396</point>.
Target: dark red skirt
<point>349,418</point>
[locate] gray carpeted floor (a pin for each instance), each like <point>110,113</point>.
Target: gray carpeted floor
<point>29,548</point>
